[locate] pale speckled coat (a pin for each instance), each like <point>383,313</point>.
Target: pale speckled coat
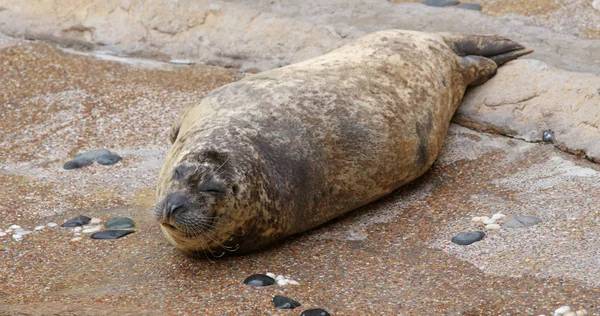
<point>311,141</point>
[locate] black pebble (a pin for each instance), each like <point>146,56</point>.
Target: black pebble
<point>111,234</point>
<point>467,238</point>
<point>77,163</point>
<point>119,223</point>
<point>439,3</point>
<point>259,280</point>
<point>315,312</point>
<point>470,6</point>
<point>548,136</point>
<point>77,221</point>
<point>107,160</point>
<point>283,302</point>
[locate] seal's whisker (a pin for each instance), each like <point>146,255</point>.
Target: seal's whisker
<point>226,160</point>
<point>199,229</point>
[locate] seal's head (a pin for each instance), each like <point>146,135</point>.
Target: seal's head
<point>196,200</point>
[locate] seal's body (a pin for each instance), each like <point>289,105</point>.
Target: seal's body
<point>283,151</point>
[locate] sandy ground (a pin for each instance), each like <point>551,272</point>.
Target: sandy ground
<point>390,258</point>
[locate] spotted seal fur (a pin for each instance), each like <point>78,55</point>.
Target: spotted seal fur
<point>283,151</point>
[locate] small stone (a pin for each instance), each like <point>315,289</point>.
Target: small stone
<point>547,136</point>
<point>22,232</point>
<point>315,312</point>
<point>76,234</point>
<point>3,234</point>
<point>561,310</point>
<point>282,282</point>
<point>39,227</point>
<point>95,221</point>
<point>523,221</point>
<point>476,219</point>
<point>108,160</point>
<point>492,227</point>
<point>498,216</point>
<point>571,313</point>
<point>111,234</point>
<point>76,239</point>
<point>77,221</point>
<point>271,275</point>
<point>77,229</point>
<point>283,302</point>
<point>91,229</point>
<point>51,224</point>
<point>14,227</point>
<point>439,3</point>
<point>293,282</point>
<point>259,280</point>
<point>17,237</point>
<point>76,164</point>
<point>489,221</point>
<point>93,154</point>
<point>581,312</point>
<point>119,223</point>
<point>470,6</point>
<point>467,238</point>
<point>280,277</point>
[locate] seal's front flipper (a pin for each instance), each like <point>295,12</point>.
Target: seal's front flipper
<point>500,59</point>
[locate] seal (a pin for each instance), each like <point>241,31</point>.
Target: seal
<point>286,150</point>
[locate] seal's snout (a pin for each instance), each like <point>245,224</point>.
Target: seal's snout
<point>175,203</point>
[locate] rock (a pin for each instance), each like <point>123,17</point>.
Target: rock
<point>77,221</point>
<point>571,313</point>
<point>76,164</point>
<point>315,312</point>
<point>581,312</point>
<point>111,234</point>
<point>498,216</point>
<point>91,229</point>
<point>107,160</point>
<point>259,280</point>
<point>523,221</point>
<point>596,5</point>
<point>119,223</point>
<point>51,224</point>
<point>17,237</point>
<point>439,3</point>
<point>476,219</point>
<point>467,238</point>
<point>547,136</point>
<point>282,282</point>
<point>561,310</point>
<point>39,227</point>
<point>492,227</point>
<point>283,302</point>
<point>74,239</point>
<point>23,232</point>
<point>95,221</point>
<point>14,227</point>
<point>488,221</point>
<point>470,6</point>
<point>293,282</point>
<point>181,62</point>
<point>524,106</point>
<point>77,229</point>
<point>93,154</point>
<point>271,275</point>
<point>3,234</point>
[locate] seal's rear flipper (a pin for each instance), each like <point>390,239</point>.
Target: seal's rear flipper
<point>497,48</point>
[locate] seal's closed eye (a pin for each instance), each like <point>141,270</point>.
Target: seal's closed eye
<point>213,187</point>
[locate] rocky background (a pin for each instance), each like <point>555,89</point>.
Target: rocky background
<point>79,75</point>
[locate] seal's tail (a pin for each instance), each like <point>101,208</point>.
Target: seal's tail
<point>497,48</point>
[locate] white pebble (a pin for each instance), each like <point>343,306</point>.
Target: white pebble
<point>2,234</point>
<point>39,227</point>
<point>17,237</point>
<point>476,219</point>
<point>76,234</point>
<point>294,282</point>
<point>77,229</point>
<point>280,277</point>
<point>571,313</point>
<point>51,224</point>
<point>282,282</point>
<point>489,221</point>
<point>23,232</point>
<point>498,216</point>
<point>492,227</point>
<point>271,275</point>
<point>581,312</point>
<point>14,227</point>
<point>95,221</point>
<point>91,229</point>
<point>76,239</point>
<point>561,310</point>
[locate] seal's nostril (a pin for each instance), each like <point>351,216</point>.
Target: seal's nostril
<point>175,201</point>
